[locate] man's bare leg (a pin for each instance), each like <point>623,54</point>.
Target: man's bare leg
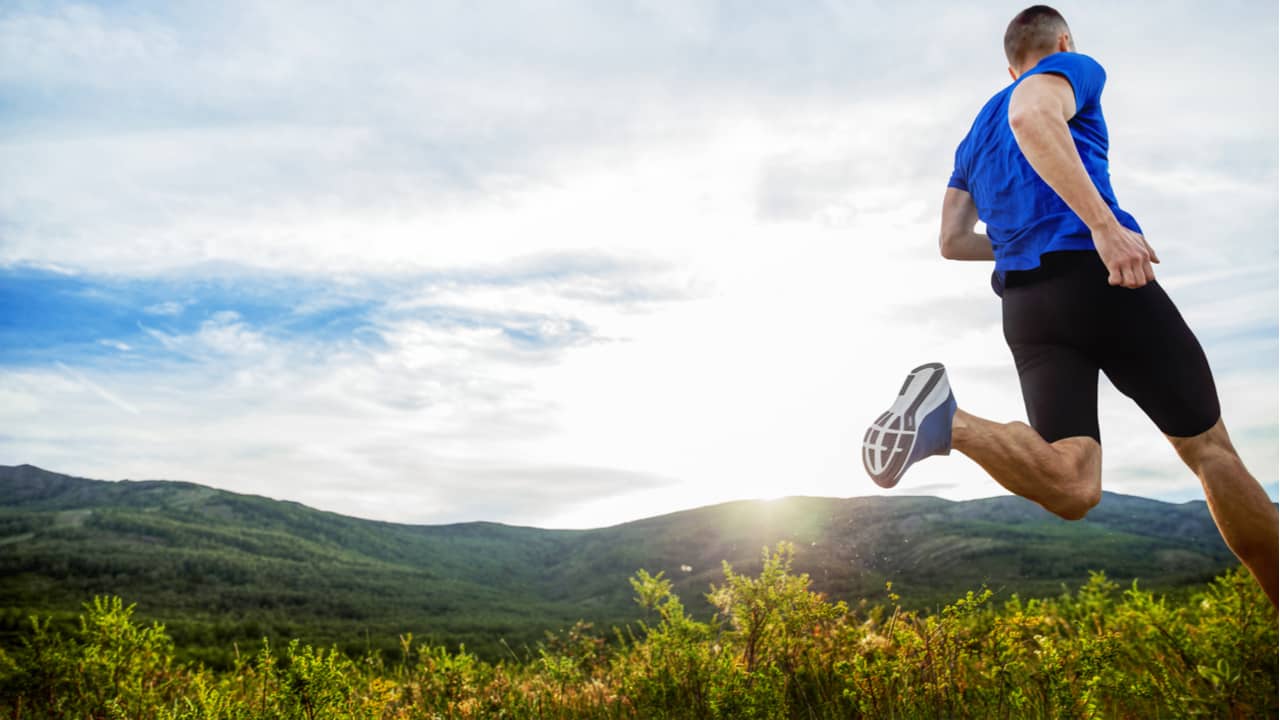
<point>1063,477</point>
<point>1241,508</point>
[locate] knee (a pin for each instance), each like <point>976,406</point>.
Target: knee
<point>1211,458</point>
<point>1208,450</point>
<point>1080,505</point>
<point>1078,471</point>
<point>1091,498</point>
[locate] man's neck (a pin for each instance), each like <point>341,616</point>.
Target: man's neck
<point>1034,61</point>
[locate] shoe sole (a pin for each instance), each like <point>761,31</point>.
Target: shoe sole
<point>894,432</point>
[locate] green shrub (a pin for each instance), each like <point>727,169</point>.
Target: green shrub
<point>109,667</point>
<point>774,650</point>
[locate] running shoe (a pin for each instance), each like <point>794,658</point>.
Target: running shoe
<point>917,426</point>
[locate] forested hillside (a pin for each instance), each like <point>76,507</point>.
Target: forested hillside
<point>223,568</point>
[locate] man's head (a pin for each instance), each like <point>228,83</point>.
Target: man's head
<point>1034,33</point>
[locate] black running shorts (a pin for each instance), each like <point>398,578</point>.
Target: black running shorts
<point>1064,323</point>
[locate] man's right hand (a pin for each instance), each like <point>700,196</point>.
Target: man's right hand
<point>1126,254</point>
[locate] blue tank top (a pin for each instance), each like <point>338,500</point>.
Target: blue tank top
<point>1025,218</point>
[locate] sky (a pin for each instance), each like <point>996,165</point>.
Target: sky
<point>570,264</point>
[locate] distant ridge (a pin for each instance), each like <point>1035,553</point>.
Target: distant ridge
<point>244,565</point>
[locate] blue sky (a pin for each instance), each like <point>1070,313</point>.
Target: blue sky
<point>571,263</point>
<point>125,321</point>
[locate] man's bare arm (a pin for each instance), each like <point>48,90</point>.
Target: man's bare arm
<point>1039,110</point>
<point>957,240</point>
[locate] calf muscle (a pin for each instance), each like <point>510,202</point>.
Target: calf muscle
<point>1064,477</point>
<point>1243,512</point>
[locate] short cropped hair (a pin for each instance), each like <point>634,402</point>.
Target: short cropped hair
<point>1033,31</point>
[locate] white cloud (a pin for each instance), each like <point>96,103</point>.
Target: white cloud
<point>168,308</point>
<point>98,390</point>
<point>763,181</point>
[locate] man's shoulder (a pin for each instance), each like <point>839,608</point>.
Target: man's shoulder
<point>1086,75</point>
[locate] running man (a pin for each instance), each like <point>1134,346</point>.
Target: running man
<point>1079,295</point>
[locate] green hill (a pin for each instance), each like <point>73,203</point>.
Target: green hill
<point>220,567</point>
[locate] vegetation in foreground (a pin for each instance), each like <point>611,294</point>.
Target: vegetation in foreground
<point>775,649</point>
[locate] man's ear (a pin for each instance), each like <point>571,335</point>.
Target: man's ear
<point>1064,42</point>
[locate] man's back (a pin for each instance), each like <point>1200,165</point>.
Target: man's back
<point>1025,218</point>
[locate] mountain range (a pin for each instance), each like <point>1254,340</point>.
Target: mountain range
<point>223,569</point>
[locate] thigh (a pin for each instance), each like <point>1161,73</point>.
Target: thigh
<point>1059,389</point>
<point>1151,355</point>
<point>1044,323</point>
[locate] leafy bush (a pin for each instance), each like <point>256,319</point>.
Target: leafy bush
<point>775,649</point>
<point>110,666</point>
